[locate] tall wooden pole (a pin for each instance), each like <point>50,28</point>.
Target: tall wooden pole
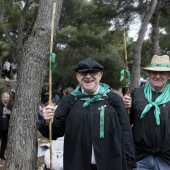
<point>124,36</point>
<point>126,62</point>
<point>50,81</point>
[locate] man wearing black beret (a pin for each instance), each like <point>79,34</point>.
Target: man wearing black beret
<point>95,124</point>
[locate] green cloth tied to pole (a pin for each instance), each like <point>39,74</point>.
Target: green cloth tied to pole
<point>52,55</point>
<point>104,89</point>
<point>162,99</point>
<point>122,76</point>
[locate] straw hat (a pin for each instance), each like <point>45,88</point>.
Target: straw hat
<point>159,63</point>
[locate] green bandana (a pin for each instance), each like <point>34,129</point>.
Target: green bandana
<point>104,89</point>
<point>163,98</point>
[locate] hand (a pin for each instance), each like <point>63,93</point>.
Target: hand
<point>48,113</point>
<point>8,112</point>
<point>127,101</point>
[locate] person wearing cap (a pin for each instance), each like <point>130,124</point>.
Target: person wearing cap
<point>94,122</point>
<point>150,116</point>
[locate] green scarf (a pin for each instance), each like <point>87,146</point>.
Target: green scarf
<point>163,98</point>
<point>104,89</point>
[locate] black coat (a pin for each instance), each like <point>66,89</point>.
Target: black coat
<point>150,138</point>
<point>4,122</point>
<point>81,127</point>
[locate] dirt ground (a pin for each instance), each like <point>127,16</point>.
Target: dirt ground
<point>40,162</point>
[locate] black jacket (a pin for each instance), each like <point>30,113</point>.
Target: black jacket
<point>150,138</point>
<point>81,127</point>
<point>4,122</point>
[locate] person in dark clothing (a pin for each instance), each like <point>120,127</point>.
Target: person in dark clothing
<point>150,116</point>
<point>94,122</point>
<point>5,112</point>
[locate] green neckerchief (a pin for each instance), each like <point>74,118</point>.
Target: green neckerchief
<point>163,98</point>
<point>104,89</point>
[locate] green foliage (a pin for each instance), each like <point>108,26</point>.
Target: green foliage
<point>165,28</point>
<point>11,13</point>
<point>146,53</point>
<point>89,33</point>
<point>109,54</point>
<point>5,50</point>
<point>11,17</point>
<point>87,29</point>
<point>165,44</point>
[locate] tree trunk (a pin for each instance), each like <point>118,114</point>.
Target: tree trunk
<point>19,45</point>
<point>135,74</point>
<point>22,141</point>
<point>155,28</point>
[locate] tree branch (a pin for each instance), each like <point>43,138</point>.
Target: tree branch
<point>10,40</point>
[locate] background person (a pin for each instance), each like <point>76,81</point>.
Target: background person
<point>14,71</point>
<point>5,112</point>
<point>150,116</point>
<point>68,90</point>
<point>6,69</point>
<point>97,135</point>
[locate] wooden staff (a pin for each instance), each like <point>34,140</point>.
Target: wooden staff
<point>50,81</point>
<point>124,36</point>
<point>126,62</point>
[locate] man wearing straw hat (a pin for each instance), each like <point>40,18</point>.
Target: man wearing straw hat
<point>150,116</point>
<point>97,131</point>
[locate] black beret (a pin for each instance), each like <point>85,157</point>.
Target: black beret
<point>88,64</point>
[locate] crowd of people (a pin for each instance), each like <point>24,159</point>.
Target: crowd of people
<point>93,119</point>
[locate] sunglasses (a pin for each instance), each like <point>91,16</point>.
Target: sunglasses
<point>91,72</point>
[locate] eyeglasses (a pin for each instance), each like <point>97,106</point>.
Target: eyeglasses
<point>91,72</point>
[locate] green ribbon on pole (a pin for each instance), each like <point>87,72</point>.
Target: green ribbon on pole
<point>52,55</point>
<point>122,76</point>
<point>102,122</point>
